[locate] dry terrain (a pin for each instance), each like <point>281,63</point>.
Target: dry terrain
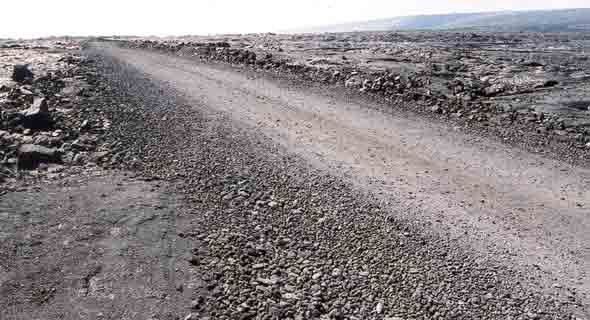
<point>336,176</point>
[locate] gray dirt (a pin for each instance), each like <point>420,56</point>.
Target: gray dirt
<point>95,245</point>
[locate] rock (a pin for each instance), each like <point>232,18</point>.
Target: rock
<point>85,142</point>
<point>366,85</point>
<point>336,272</point>
<point>85,125</point>
<point>98,156</point>
<point>37,116</point>
<point>354,81</point>
<point>550,83</point>
<point>68,157</point>
<point>436,109</point>
<point>197,303</point>
<point>80,158</point>
<point>494,89</point>
<point>379,308</point>
<point>22,74</point>
<point>532,64</point>
<point>31,155</point>
<point>273,204</point>
<point>4,135</point>
<point>190,316</point>
<point>376,86</point>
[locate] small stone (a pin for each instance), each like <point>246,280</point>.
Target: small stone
<point>196,303</point>
<point>80,158</point>
<point>85,125</point>
<point>379,308</point>
<point>352,82</point>
<point>273,204</point>
<point>190,316</point>
<point>194,260</point>
<point>289,296</point>
<point>98,156</point>
<point>336,272</point>
<point>264,281</point>
<point>244,194</point>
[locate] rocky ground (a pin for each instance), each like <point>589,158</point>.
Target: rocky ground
<point>535,83</point>
<point>49,122</point>
<point>121,198</point>
<point>80,238</point>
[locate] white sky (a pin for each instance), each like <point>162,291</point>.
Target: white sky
<point>35,18</point>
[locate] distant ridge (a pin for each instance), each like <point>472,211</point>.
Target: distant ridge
<point>562,20</point>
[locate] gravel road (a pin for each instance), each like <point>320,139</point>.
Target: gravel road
<point>311,204</point>
<point>470,188</point>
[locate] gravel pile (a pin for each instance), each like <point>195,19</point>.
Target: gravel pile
<point>276,239</point>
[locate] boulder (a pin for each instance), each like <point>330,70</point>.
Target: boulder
<point>37,116</point>
<point>31,155</point>
<point>22,74</point>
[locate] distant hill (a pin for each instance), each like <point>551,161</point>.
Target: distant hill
<point>538,20</point>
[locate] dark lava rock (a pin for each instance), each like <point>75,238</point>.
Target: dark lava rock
<point>532,64</point>
<point>31,155</point>
<point>550,83</point>
<point>37,116</point>
<point>22,74</point>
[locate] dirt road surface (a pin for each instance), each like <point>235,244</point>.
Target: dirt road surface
<point>472,188</point>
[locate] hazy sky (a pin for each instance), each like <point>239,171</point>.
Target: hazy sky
<point>34,18</point>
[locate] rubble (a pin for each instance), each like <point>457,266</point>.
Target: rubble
<point>47,117</point>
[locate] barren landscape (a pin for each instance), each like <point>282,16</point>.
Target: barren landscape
<point>366,175</point>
